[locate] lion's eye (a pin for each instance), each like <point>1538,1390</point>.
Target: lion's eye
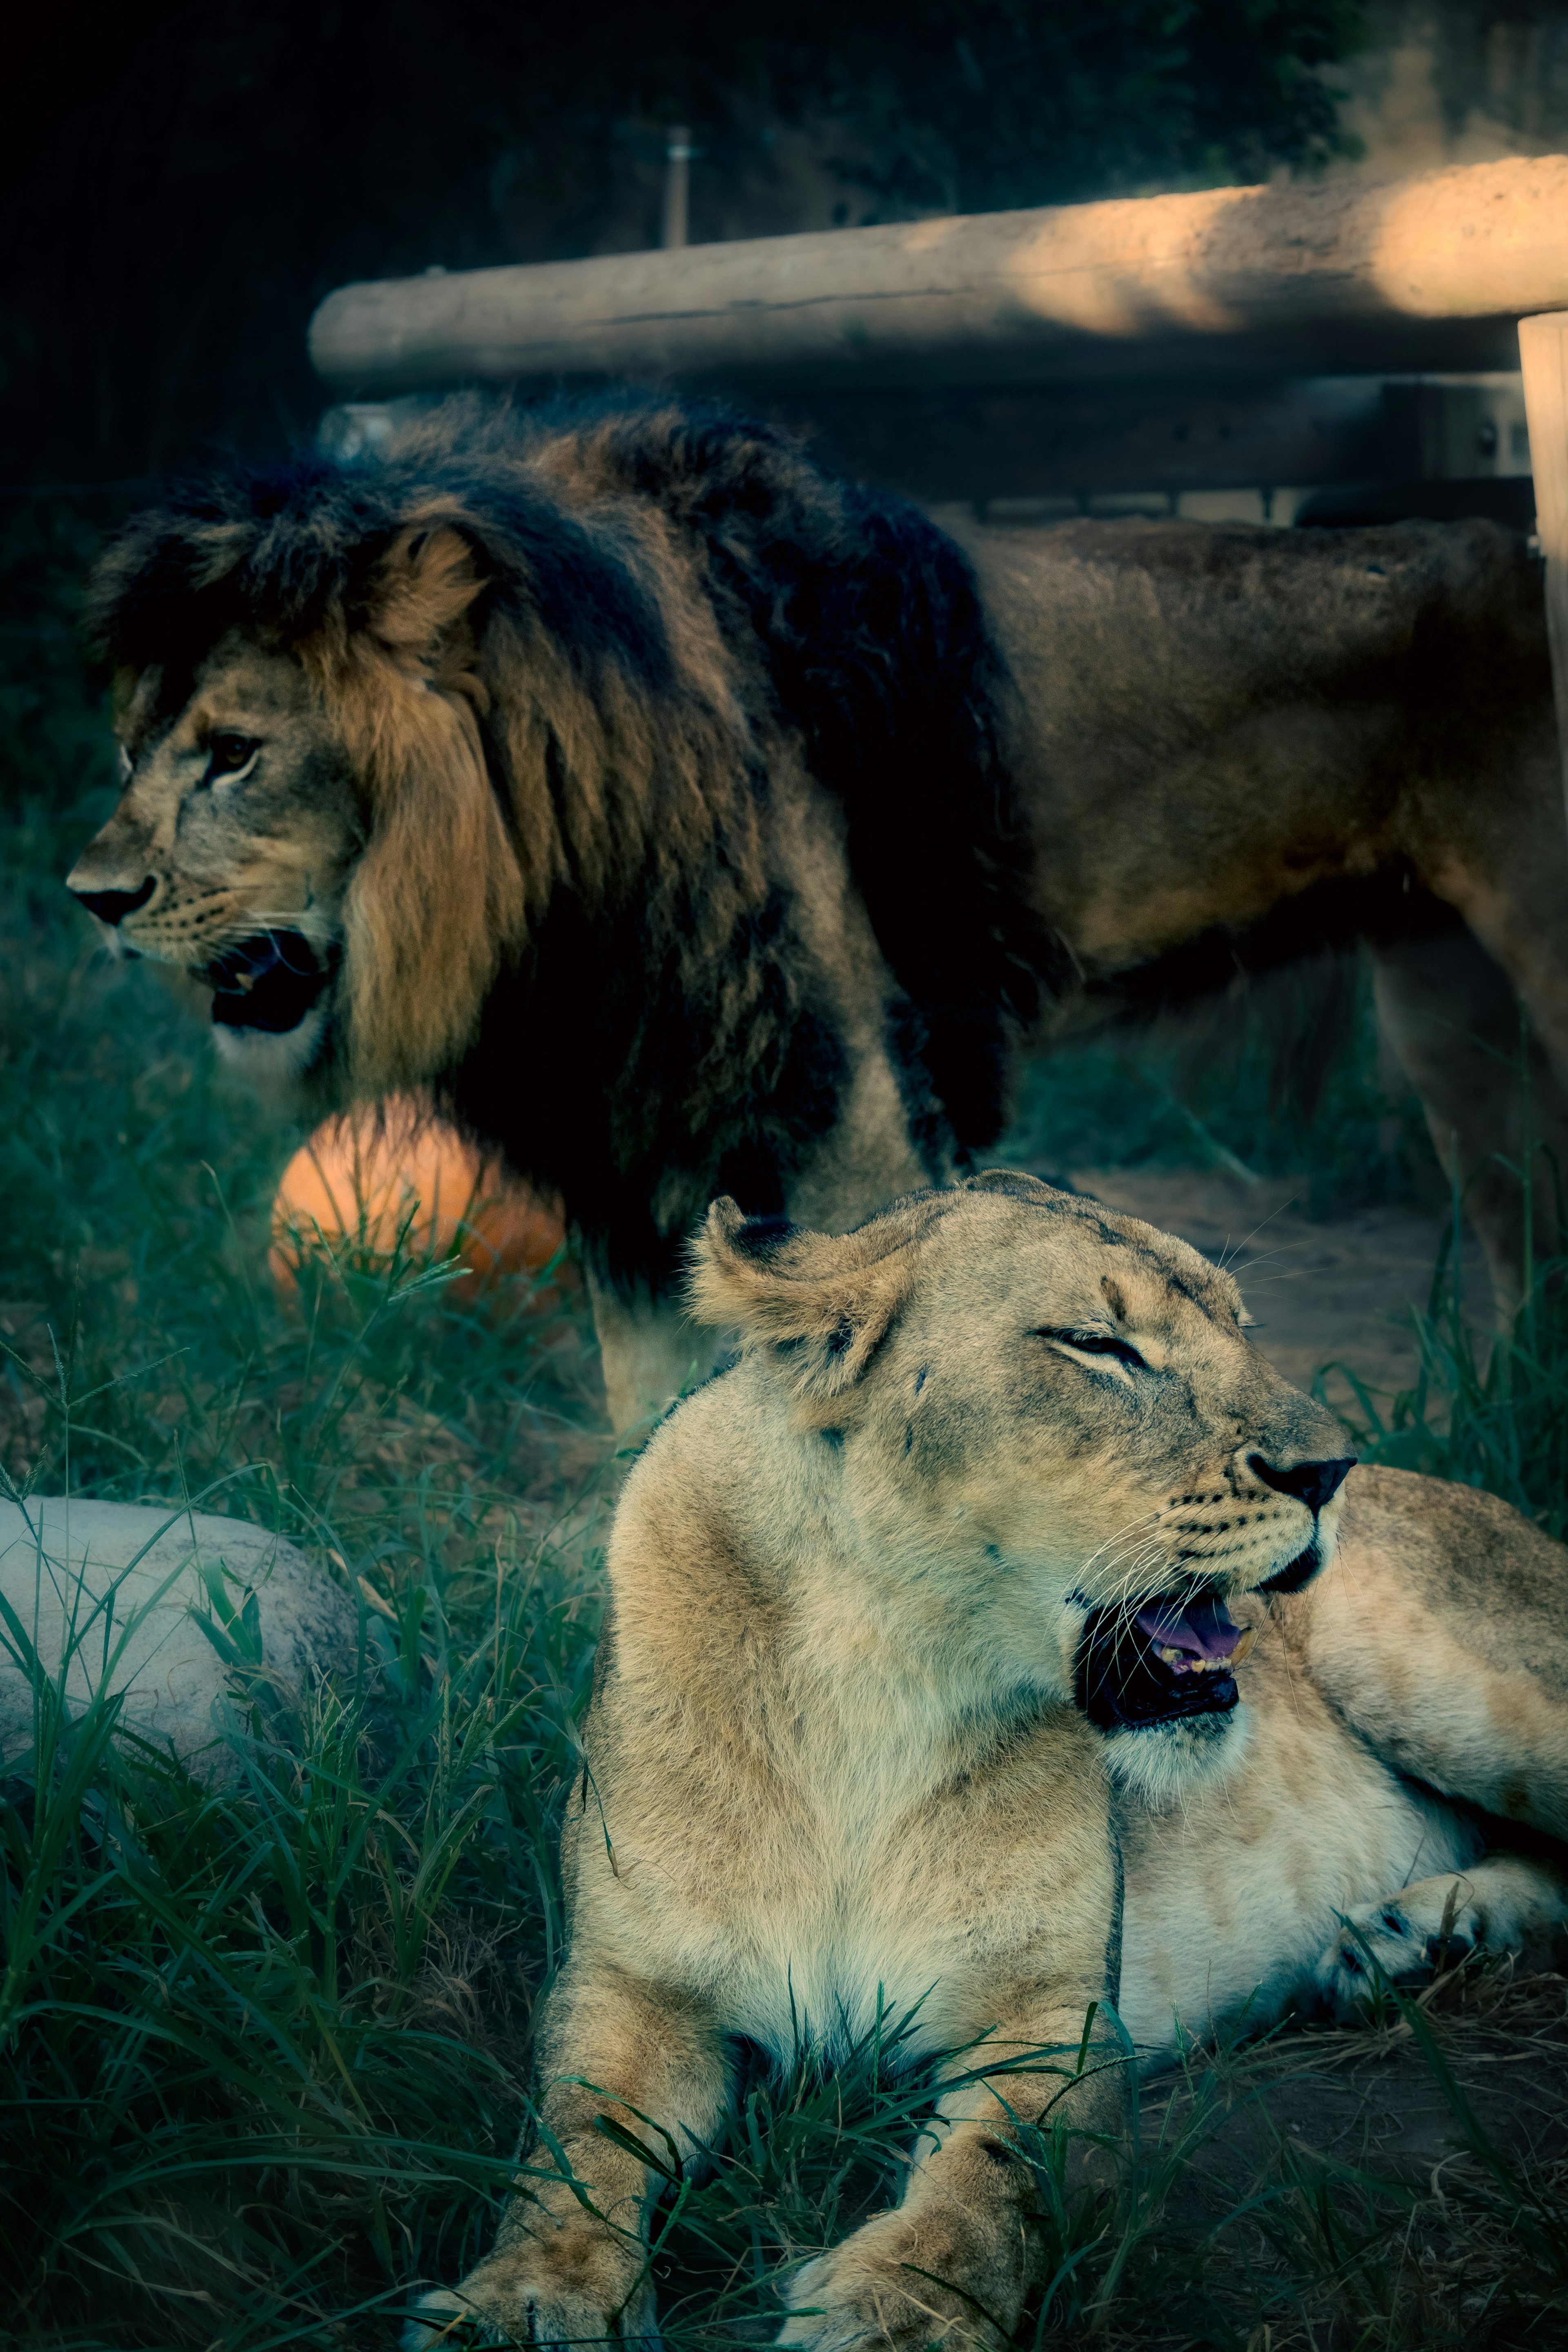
<point>228,752</point>
<point>1095,1343</point>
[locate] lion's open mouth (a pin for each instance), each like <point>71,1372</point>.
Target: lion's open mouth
<point>1171,1658</point>
<point>269,983</point>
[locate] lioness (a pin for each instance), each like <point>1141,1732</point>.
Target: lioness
<point>686,821</point>
<point>998,1551</point>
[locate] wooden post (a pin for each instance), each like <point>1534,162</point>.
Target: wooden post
<point>1543,355</point>
<point>677,186</point>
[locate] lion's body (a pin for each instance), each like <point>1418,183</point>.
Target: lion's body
<point>633,735</point>
<point>1241,744</point>
<point>685,820</point>
<point>868,1726</point>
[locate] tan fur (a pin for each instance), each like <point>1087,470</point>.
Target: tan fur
<point>438,895</point>
<point>1217,721</point>
<point>835,1760</point>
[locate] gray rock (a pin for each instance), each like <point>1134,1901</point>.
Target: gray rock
<point>121,1596</point>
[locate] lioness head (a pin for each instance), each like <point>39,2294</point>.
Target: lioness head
<point>1047,1423</point>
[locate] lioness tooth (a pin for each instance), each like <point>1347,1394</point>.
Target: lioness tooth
<point>1172,1657</point>
<point>1231,1658</point>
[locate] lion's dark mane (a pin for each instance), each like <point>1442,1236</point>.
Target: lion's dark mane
<point>611,1061</point>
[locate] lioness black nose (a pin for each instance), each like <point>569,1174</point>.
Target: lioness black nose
<point>113,905</point>
<point>1312,1483</point>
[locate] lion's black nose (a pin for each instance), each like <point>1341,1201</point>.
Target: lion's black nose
<point>1312,1483</point>
<point>113,905</point>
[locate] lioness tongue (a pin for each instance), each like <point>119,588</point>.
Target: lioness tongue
<point>1202,1634</point>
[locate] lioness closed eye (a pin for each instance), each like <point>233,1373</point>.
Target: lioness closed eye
<point>1000,1545</point>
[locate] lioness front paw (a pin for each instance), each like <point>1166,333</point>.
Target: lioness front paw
<point>505,2301</point>
<point>883,2287</point>
<point>1408,1937</point>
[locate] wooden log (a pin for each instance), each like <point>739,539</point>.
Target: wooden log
<point>1338,278</point>
<point>1543,355</point>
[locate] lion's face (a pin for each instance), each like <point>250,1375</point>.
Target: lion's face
<point>230,848</point>
<point>1054,1430</point>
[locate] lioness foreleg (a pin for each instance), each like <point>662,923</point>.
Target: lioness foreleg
<point>953,2261</point>
<point>570,2265</point>
<point>1504,1903</point>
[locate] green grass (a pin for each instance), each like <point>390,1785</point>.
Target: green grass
<point>1242,1085</point>
<point>1489,1407</point>
<point>263,2049</point>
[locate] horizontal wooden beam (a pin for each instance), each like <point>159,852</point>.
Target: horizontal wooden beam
<point>1342,277</point>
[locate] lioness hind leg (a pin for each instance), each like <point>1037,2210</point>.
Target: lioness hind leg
<point>1440,1633</point>
<point>1505,1902</point>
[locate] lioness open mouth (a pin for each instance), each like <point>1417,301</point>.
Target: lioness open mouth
<point>268,983</point>
<point>1171,1658</point>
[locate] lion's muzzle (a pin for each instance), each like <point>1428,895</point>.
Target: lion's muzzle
<point>111,907</point>
<point>270,981</point>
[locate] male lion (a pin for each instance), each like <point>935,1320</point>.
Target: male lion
<point>945,1591</point>
<point>684,820</point>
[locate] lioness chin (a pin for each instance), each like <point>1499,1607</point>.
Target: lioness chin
<point>1000,1551</point>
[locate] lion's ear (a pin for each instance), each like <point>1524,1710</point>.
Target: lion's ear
<point>821,1303</point>
<point>421,586</point>
<point>436,898</point>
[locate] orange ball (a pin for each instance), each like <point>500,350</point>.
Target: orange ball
<point>395,1176</point>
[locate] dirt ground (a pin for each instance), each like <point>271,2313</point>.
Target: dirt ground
<point>1480,2157</point>
<point>1338,1292</point>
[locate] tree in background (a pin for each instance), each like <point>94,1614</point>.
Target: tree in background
<point>187,180</point>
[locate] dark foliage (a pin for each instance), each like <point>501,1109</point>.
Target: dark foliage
<point>187,182</point>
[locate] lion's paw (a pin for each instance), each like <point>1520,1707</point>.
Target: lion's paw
<point>500,2303</point>
<point>1405,1939</point>
<point>874,2293</point>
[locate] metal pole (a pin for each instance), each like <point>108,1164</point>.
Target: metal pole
<point>677,174</point>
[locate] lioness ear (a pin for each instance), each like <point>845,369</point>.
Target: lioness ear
<point>1015,1183</point>
<point>821,1302</point>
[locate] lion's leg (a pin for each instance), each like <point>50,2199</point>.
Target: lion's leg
<point>1504,1903</point>
<point>570,2263</point>
<point>650,1350</point>
<point>954,2261</point>
<point>1454,1022</point>
<point>1503,863</point>
<point>1440,1633</point>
